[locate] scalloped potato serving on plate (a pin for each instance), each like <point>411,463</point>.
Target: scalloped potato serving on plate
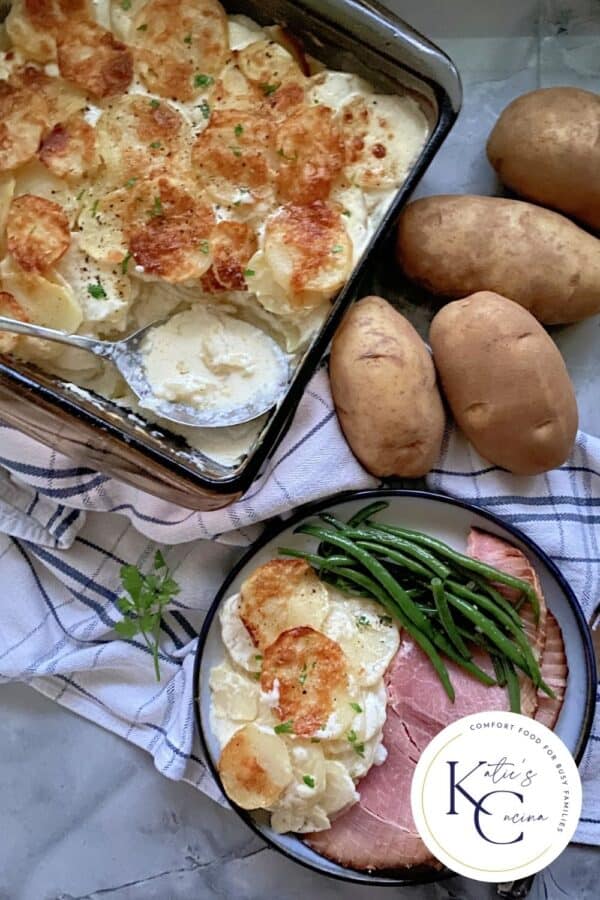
<point>298,701</point>
<point>158,155</point>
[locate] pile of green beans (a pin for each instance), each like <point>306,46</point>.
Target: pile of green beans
<point>446,601</point>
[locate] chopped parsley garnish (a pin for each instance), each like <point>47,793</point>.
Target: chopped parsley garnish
<point>346,212</point>
<point>269,89</point>
<point>309,781</point>
<point>143,27</point>
<point>236,151</point>
<point>205,109</point>
<point>362,622</point>
<point>203,247</point>
<point>125,4</point>
<point>357,746</point>
<point>203,80</point>
<point>125,262</point>
<point>256,676</point>
<point>258,657</point>
<point>385,620</point>
<point>130,182</point>
<point>315,740</point>
<point>155,103</point>
<point>95,207</point>
<point>284,728</point>
<point>281,152</point>
<point>187,39</point>
<point>143,608</point>
<point>80,194</point>
<point>156,145</point>
<point>157,208</point>
<point>249,273</point>
<point>238,130</point>
<point>337,249</point>
<point>303,674</point>
<point>356,707</point>
<point>96,291</point>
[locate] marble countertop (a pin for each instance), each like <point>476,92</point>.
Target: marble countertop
<point>83,815</point>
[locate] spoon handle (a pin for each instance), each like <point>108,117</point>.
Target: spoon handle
<point>100,348</point>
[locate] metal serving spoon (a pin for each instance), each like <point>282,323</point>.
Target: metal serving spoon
<point>128,357</point>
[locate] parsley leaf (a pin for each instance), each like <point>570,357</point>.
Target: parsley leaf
<point>337,249</point>
<point>357,746</point>
<point>346,212</point>
<point>203,80</point>
<point>96,291</point>
<point>236,151</point>
<point>156,145</point>
<point>157,208</point>
<point>248,273</point>
<point>125,262</point>
<point>203,247</point>
<point>130,182</point>
<point>356,707</point>
<point>155,103</point>
<point>80,194</point>
<point>362,622</point>
<point>284,728</point>
<point>143,608</point>
<point>303,675</point>
<point>143,27</point>
<point>205,109</point>
<point>187,39</point>
<point>309,781</point>
<point>125,4</point>
<point>238,130</point>
<point>95,207</point>
<point>269,89</point>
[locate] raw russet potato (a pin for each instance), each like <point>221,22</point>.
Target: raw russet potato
<point>384,389</point>
<point>456,245</point>
<point>546,147</point>
<point>506,383</point>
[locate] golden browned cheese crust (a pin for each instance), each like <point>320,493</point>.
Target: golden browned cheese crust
<point>38,233</point>
<point>311,672</point>
<point>457,245</point>
<point>232,244</point>
<point>10,309</point>
<point>546,147</point>
<point>69,150</point>
<point>21,126</point>
<point>255,768</point>
<point>278,592</point>
<point>506,383</point>
<point>311,154</point>
<point>93,59</point>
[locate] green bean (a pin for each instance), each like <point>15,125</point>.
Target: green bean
<point>499,669</point>
<point>396,556</point>
<point>446,619</point>
<point>467,562</point>
<point>334,521</point>
<point>442,642</point>
<point>500,601</point>
<point>374,567</point>
<point>366,512</point>
<point>319,562</point>
<point>421,639</point>
<point>369,533</point>
<point>487,627</point>
<point>513,686</point>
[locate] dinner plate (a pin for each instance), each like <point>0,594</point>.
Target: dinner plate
<point>449,520</point>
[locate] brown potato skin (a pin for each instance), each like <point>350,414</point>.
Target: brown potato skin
<point>506,383</point>
<point>456,245</point>
<point>546,147</point>
<point>384,388</point>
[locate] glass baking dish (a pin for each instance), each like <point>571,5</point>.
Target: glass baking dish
<point>359,37</point>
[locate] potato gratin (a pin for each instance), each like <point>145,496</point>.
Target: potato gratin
<point>156,154</point>
<point>299,703</point>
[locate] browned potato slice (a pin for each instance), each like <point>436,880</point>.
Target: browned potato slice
<point>21,124</point>
<point>10,309</point>
<point>378,152</point>
<point>93,59</point>
<point>69,150</point>
<point>234,157</point>
<point>269,66</point>
<point>180,46</point>
<point>37,232</point>
<point>279,595</point>
<point>233,90</point>
<point>308,251</point>
<point>232,244</point>
<point>311,672</point>
<point>60,100</point>
<point>33,25</point>
<point>311,154</point>
<point>138,137</point>
<point>255,768</point>
<point>168,231</point>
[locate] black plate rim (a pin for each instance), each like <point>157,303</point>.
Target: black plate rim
<point>275,527</point>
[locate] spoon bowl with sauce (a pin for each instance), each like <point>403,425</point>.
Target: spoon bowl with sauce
<point>200,367</point>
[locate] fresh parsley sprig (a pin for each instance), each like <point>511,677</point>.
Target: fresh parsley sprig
<point>143,608</point>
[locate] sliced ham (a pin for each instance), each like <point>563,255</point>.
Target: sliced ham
<point>554,673</point>
<point>378,832</point>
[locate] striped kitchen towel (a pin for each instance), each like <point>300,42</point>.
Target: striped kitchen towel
<point>60,560</point>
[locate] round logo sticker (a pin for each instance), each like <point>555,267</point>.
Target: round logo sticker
<point>496,796</point>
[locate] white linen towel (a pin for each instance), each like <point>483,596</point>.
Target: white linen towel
<point>66,531</point>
